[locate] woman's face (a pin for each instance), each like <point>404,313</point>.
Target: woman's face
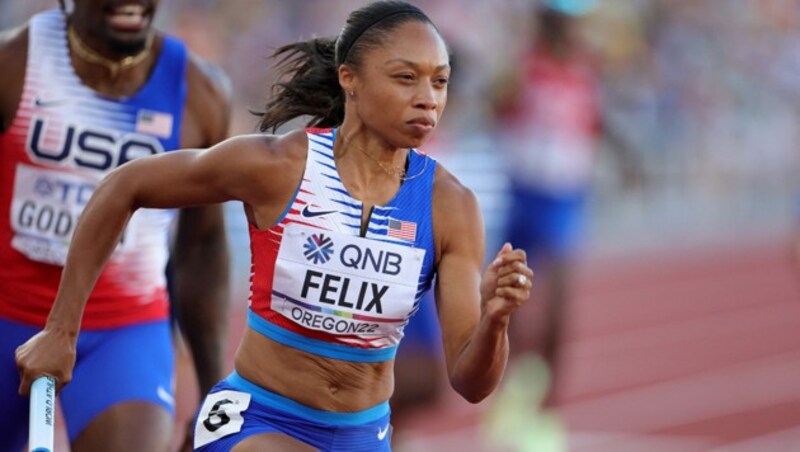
<point>401,88</point>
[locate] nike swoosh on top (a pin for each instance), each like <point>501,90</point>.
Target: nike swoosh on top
<point>38,102</point>
<point>382,433</point>
<point>164,395</point>
<point>311,214</point>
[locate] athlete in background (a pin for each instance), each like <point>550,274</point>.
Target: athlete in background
<point>550,122</point>
<point>84,92</point>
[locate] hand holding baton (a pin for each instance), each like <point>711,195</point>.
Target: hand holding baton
<point>43,415</point>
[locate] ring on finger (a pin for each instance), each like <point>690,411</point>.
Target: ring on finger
<point>521,280</point>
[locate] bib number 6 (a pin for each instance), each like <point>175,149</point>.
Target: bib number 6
<point>220,416</point>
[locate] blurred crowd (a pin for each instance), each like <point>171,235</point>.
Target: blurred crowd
<point>705,93</point>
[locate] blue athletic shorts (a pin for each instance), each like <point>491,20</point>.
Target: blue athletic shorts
<point>133,363</point>
<point>545,225</point>
<point>236,409</point>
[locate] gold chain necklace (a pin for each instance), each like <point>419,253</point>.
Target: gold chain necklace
<point>114,67</point>
<point>390,170</point>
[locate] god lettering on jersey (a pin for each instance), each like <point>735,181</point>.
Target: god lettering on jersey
<point>47,202</point>
<point>345,285</point>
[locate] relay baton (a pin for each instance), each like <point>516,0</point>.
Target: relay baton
<point>43,414</point>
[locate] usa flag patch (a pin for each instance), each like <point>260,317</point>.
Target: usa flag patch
<point>154,123</point>
<point>404,230</point>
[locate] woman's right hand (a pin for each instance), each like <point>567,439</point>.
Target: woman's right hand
<point>50,352</point>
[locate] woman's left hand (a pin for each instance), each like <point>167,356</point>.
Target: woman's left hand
<point>506,284</point>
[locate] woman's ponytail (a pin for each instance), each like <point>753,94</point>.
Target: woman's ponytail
<point>308,86</point>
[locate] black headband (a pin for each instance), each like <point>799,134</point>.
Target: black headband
<point>357,34</point>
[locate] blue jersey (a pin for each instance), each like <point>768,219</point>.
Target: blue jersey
<point>325,286</point>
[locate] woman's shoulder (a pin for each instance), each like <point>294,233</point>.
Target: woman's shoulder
<point>291,145</point>
<point>457,217</point>
<point>448,189</point>
<point>261,165</point>
<point>263,158</point>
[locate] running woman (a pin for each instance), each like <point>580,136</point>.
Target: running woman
<point>348,225</point>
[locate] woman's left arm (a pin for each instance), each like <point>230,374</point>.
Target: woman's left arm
<point>474,311</point>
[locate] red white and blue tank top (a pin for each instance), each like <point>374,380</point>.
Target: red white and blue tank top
<point>64,138</point>
<point>318,285</point>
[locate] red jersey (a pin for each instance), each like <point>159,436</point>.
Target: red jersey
<point>63,140</point>
<point>553,129</point>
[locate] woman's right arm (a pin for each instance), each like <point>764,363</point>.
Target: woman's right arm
<point>235,169</point>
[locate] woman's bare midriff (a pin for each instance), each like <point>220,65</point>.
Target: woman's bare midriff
<point>321,383</point>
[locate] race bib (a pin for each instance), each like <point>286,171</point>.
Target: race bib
<point>345,285</point>
<point>220,416</point>
<point>45,209</point>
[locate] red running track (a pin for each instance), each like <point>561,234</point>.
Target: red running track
<point>669,351</point>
